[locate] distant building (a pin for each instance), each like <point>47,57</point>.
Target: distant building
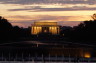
<point>45,27</point>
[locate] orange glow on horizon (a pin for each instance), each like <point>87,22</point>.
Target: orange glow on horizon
<point>35,12</point>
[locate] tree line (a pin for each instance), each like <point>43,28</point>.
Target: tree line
<point>85,31</point>
<point>11,33</point>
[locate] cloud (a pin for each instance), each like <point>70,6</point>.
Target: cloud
<point>20,17</point>
<point>22,2</point>
<point>69,23</point>
<point>29,19</point>
<point>20,24</point>
<point>39,9</point>
<point>62,5</point>
<point>62,20</point>
<point>37,6</point>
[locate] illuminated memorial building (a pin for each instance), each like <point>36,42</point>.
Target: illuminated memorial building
<point>45,27</point>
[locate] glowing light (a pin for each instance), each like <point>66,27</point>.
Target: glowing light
<point>45,31</point>
<point>63,34</point>
<point>53,30</point>
<point>36,30</point>
<point>87,55</point>
<point>45,23</point>
<point>38,27</point>
<point>85,0</point>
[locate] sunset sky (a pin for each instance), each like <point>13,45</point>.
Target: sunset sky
<point>65,12</point>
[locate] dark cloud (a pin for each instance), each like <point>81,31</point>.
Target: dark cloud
<point>48,1</point>
<point>38,8</point>
<point>19,16</point>
<point>75,8</point>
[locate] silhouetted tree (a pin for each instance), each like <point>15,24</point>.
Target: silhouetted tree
<point>94,16</point>
<point>86,30</point>
<point>11,33</point>
<point>5,29</point>
<point>65,31</point>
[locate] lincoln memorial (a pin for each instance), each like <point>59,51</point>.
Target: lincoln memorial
<point>45,27</point>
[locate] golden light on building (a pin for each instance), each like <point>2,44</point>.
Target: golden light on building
<point>87,55</point>
<point>45,27</point>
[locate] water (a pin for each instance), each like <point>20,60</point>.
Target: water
<point>38,52</point>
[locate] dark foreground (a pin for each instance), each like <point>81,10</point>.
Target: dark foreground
<point>34,49</point>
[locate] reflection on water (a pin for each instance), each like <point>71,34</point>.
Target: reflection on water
<point>45,52</point>
<point>47,60</point>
